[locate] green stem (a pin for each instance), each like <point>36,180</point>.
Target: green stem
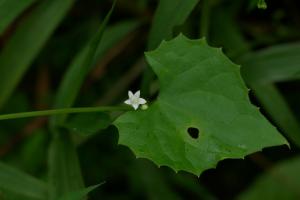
<point>63,111</point>
<point>205,19</point>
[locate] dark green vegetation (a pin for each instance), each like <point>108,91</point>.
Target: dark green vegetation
<point>66,53</point>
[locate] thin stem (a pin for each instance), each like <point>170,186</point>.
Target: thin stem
<point>63,111</point>
<point>205,19</point>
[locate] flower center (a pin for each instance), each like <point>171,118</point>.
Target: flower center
<point>135,100</point>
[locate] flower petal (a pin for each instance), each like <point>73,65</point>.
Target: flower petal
<point>137,94</point>
<point>130,94</point>
<point>128,102</point>
<point>135,106</point>
<point>142,101</point>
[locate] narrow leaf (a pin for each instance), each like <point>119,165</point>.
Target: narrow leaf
<point>282,182</point>
<point>261,70</point>
<point>79,195</point>
<point>112,35</point>
<point>76,73</point>
<point>65,175</point>
<point>21,184</point>
<point>27,42</point>
<point>10,9</point>
<point>274,64</point>
<point>226,32</point>
<point>276,106</point>
<point>168,15</point>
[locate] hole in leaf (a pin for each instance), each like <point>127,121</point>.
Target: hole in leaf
<point>193,132</point>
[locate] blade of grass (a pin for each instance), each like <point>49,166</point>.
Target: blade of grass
<point>273,102</point>
<point>225,32</point>
<point>113,34</point>
<point>168,15</point>
<point>76,73</point>
<point>27,41</point>
<point>64,168</point>
<point>78,195</point>
<point>18,183</point>
<point>274,64</point>
<point>10,9</point>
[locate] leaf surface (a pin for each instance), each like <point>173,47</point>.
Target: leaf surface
<point>200,88</point>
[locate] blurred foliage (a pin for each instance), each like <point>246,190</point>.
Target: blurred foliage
<point>42,40</point>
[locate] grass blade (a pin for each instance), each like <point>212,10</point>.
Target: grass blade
<point>64,170</point>
<point>78,70</point>
<point>10,9</point>
<point>274,64</point>
<point>65,173</point>
<point>273,102</point>
<point>26,43</point>
<point>169,14</point>
<point>18,183</point>
<point>78,195</point>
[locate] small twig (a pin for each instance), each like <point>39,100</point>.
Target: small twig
<point>62,111</point>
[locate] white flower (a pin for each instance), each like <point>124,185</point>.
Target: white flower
<point>134,100</point>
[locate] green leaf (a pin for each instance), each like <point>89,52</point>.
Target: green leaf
<point>274,64</point>
<point>65,173</point>
<point>201,89</point>
<point>261,4</point>
<point>282,182</point>
<point>265,67</point>
<point>10,9</point>
<point>15,182</point>
<point>226,32</point>
<point>276,106</point>
<point>27,41</point>
<point>81,65</point>
<point>79,195</point>
<point>114,34</point>
<point>88,124</point>
<point>169,14</point>
<point>64,170</point>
